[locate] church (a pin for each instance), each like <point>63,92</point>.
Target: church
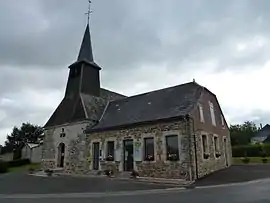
<point>177,132</point>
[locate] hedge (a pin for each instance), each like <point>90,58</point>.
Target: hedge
<point>18,162</point>
<point>255,150</point>
<point>3,167</point>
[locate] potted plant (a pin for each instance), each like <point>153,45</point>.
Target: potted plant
<point>264,160</point>
<point>246,160</point>
<point>173,157</point>
<point>108,172</point>
<point>49,172</point>
<point>218,154</point>
<point>109,158</point>
<point>149,158</point>
<point>134,174</point>
<point>206,155</point>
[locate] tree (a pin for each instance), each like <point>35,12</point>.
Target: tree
<point>241,134</point>
<point>27,133</point>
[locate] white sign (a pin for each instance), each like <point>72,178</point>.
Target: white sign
<point>137,150</point>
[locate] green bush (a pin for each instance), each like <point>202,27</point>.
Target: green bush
<point>3,167</point>
<point>19,162</point>
<point>257,150</point>
<point>246,160</point>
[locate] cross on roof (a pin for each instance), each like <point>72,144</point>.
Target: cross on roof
<point>89,11</point>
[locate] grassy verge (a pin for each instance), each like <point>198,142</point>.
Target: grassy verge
<point>24,168</point>
<point>238,160</point>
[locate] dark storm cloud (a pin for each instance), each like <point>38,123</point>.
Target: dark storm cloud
<point>130,33</point>
<point>40,38</point>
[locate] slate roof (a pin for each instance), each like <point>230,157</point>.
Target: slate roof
<point>84,107</point>
<point>32,145</point>
<point>86,52</point>
<point>156,105</point>
<point>265,131</point>
<point>263,135</point>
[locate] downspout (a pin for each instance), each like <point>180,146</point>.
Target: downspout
<point>192,136</point>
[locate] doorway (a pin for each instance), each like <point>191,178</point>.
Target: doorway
<point>128,155</point>
<point>61,155</point>
<point>96,153</point>
<point>225,151</point>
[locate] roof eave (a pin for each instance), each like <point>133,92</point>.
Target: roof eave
<point>121,127</point>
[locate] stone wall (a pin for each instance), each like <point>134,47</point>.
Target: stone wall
<point>213,163</point>
<point>48,150</point>
<point>75,148</point>
<point>158,168</point>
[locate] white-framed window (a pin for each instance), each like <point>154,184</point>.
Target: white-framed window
<point>201,113</point>
<point>149,149</point>
<point>110,151</point>
<point>172,147</point>
<point>216,144</point>
<point>204,144</point>
<point>212,113</point>
<point>222,120</point>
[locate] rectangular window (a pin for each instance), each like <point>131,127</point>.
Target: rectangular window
<point>216,144</point>
<point>172,148</point>
<point>201,113</point>
<point>149,154</point>
<point>204,143</point>
<point>222,120</point>
<point>110,151</point>
<point>212,112</point>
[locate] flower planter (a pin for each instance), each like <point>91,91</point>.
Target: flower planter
<point>206,156</point>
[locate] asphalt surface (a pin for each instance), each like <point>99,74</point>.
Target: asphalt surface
<point>26,184</point>
<point>19,188</point>
<point>258,192</point>
<point>237,173</point>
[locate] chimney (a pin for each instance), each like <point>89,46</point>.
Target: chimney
<point>261,125</point>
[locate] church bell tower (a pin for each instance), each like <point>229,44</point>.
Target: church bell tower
<point>84,76</point>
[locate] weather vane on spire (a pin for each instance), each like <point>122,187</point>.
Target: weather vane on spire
<point>89,11</point>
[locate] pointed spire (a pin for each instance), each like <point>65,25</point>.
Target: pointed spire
<point>86,47</point>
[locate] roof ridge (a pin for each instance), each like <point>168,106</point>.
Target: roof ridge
<point>141,94</point>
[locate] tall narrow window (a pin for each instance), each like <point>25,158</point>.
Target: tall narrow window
<point>110,151</point>
<point>172,148</point>
<point>222,120</point>
<point>204,143</point>
<point>205,148</point>
<point>201,113</point>
<point>216,144</point>
<point>212,112</point>
<point>149,154</point>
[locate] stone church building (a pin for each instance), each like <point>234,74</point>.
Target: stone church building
<point>178,132</point>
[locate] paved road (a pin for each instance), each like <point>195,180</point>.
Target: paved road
<point>25,184</point>
<point>258,192</point>
<point>20,188</point>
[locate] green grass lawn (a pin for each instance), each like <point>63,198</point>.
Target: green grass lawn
<point>24,168</point>
<point>238,160</point>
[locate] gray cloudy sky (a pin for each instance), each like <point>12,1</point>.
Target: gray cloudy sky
<point>141,45</point>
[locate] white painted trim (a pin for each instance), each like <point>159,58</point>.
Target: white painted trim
<point>148,135</point>
<point>92,154</point>
<point>104,111</point>
<point>110,139</point>
<point>207,148</point>
<point>84,109</point>
<point>218,145</point>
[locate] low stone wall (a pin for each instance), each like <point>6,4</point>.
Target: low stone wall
<point>110,165</point>
<point>161,169</point>
<point>47,164</point>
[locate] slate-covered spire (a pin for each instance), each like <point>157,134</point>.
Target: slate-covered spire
<point>86,52</point>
